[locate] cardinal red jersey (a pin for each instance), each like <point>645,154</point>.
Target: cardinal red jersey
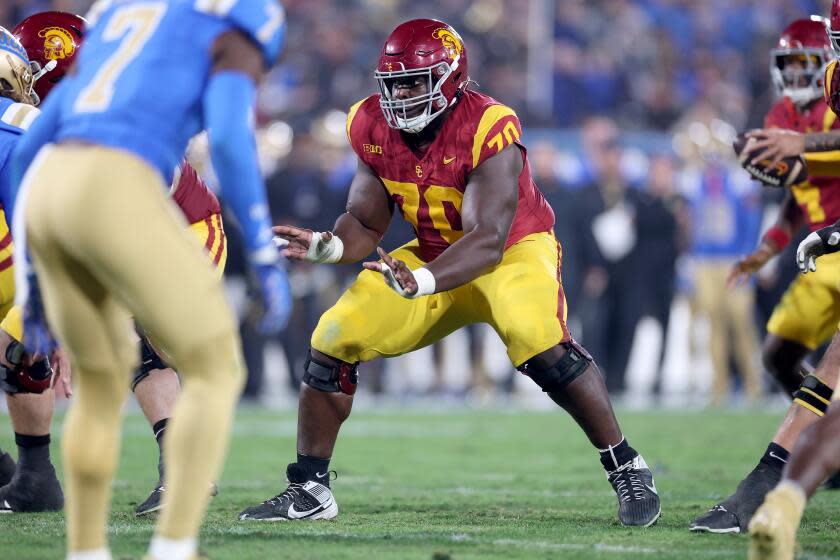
<point>818,197</point>
<point>429,189</point>
<point>192,196</point>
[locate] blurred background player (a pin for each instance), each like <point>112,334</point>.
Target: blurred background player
<point>31,485</point>
<point>816,454</point>
<point>808,314</point>
<point>484,252</point>
<point>122,250</point>
<point>155,384</point>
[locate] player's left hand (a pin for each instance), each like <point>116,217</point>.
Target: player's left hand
<point>62,378</point>
<point>775,144</point>
<point>396,273</point>
<point>276,297</point>
<point>821,242</point>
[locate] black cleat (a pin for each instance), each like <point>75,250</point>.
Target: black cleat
<point>734,513</point>
<point>155,500</point>
<point>32,491</point>
<point>638,501</point>
<point>7,468</point>
<point>832,482</point>
<point>152,503</point>
<point>302,499</point>
<point>716,520</point>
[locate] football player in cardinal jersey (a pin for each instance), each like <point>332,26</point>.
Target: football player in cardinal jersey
<point>816,454</point>
<point>808,314</point>
<point>121,251</point>
<point>449,158</point>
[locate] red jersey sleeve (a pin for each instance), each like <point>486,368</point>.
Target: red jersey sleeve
<point>498,128</point>
<point>192,195</point>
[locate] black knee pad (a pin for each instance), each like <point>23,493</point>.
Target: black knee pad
<point>328,378</point>
<point>814,395</point>
<point>554,379</point>
<point>149,360</point>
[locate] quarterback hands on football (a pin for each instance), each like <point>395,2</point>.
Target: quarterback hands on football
<point>821,242</point>
<point>406,282</point>
<point>749,265</point>
<point>307,245</point>
<point>775,144</point>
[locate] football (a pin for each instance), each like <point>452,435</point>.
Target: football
<point>789,171</point>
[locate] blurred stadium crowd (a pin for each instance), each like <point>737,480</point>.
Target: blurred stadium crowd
<point>629,109</point>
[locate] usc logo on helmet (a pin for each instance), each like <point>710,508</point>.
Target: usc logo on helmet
<point>451,42</point>
<point>58,43</point>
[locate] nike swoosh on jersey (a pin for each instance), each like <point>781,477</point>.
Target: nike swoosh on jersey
<point>448,160</point>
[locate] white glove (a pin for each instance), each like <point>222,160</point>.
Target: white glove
<point>818,243</point>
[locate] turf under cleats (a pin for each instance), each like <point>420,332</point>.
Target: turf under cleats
<point>7,468</point>
<point>302,499</point>
<point>155,500</point>
<point>638,501</point>
<point>773,527</point>
<point>32,491</point>
<point>734,513</point>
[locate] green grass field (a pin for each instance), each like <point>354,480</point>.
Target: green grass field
<point>454,485</point>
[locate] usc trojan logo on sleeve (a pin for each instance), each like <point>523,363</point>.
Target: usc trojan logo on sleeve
<point>58,43</point>
<point>451,41</point>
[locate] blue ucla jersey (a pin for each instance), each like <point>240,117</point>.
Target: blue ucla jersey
<point>15,118</point>
<point>141,74</point>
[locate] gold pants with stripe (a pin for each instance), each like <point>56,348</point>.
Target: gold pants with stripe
<point>108,244</point>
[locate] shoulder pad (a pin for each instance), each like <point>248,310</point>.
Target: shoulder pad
<point>96,11</point>
<point>497,128</point>
<point>351,115</point>
<point>18,116</point>
<point>263,20</point>
<point>780,115</point>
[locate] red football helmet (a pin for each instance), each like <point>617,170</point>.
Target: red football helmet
<point>797,64</point>
<point>834,26</point>
<point>51,39</point>
<point>421,49</point>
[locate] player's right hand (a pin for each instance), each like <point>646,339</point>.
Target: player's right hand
<point>775,144</point>
<point>306,245</point>
<point>748,266</point>
<point>821,242</point>
<point>276,298</point>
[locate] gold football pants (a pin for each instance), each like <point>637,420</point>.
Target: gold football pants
<point>108,244</point>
